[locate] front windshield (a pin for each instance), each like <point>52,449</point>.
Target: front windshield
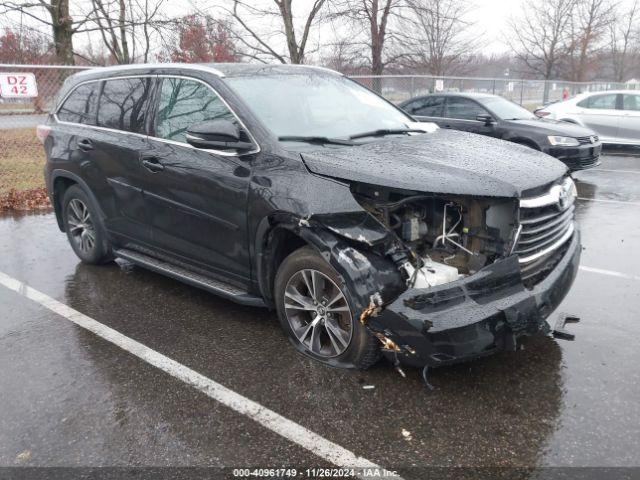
<point>316,105</point>
<point>506,110</point>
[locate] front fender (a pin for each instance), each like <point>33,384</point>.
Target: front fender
<point>365,272</point>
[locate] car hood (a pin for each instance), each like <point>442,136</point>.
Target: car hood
<point>445,161</point>
<point>552,127</point>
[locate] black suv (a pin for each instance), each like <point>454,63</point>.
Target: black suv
<point>295,188</point>
<point>576,146</point>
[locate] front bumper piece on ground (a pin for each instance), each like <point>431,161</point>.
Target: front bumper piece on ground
<point>476,316</point>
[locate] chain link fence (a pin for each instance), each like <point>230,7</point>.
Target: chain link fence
<point>21,154</point>
<point>531,94</point>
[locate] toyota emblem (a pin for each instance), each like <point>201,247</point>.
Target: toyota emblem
<point>563,197</point>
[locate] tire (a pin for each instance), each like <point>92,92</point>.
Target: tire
<point>338,338</point>
<point>84,228</point>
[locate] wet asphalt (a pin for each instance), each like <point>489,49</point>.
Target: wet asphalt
<point>69,398</point>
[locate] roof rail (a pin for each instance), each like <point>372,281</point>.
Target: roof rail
<point>140,66</point>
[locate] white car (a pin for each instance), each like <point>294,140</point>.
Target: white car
<point>614,115</point>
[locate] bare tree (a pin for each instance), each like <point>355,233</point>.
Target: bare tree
<point>434,32</point>
<point>24,45</point>
<point>260,43</point>
<point>371,22</point>
<point>54,14</point>
<point>539,37</point>
<point>623,34</point>
<point>590,20</point>
<point>125,26</point>
<point>343,56</point>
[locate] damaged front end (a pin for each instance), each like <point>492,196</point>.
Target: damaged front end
<point>441,279</point>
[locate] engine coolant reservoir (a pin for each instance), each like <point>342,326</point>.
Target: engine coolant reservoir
<point>431,274</point>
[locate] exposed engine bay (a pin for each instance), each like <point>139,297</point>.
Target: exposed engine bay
<point>444,238</point>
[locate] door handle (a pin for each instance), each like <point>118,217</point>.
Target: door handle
<point>85,144</point>
<point>152,164</point>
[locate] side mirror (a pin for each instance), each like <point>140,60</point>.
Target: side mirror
<point>485,118</point>
<point>218,135</point>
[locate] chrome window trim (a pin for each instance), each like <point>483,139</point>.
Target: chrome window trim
<point>222,153</point>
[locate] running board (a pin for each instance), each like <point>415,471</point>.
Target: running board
<point>194,279</point>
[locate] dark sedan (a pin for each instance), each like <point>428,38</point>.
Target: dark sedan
<point>578,147</point>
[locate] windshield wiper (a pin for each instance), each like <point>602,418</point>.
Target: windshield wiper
<point>385,131</point>
<point>316,140</point>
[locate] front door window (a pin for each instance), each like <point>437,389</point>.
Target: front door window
<point>186,102</point>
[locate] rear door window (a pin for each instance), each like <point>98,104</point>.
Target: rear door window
<point>428,107</point>
<point>124,103</point>
<point>80,105</point>
<point>184,102</point>
<point>600,102</point>
<point>463,109</point>
<point>630,102</point>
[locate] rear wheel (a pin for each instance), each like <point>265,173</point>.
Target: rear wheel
<point>83,227</point>
<point>317,312</point>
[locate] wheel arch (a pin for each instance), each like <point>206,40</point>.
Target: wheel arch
<point>365,272</point>
<point>61,180</point>
<point>527,142</point>
<point>275,240</point>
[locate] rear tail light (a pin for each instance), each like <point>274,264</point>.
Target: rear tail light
<point>541,113</point>
<point>42,131</point>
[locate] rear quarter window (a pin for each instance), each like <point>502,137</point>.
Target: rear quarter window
<point>80,105</point>
<point>124,104</point>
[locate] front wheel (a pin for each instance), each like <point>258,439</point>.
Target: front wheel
<point>317,312</point>
<point>83,227</point>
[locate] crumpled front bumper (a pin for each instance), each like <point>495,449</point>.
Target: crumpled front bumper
<point>476,316</point>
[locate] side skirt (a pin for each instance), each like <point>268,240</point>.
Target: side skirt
<point>216,287</point>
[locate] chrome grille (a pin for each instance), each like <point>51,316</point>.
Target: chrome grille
<point>587,140</point>
<point>545,223</point>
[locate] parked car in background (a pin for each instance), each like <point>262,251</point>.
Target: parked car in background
<point>614,115</point>
<point>298,189</point>
<point>578,147</point>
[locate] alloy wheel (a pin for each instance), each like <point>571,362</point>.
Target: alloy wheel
<point>81,228</point>
<point>318,313</point>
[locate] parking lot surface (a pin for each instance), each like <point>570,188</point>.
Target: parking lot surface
<point>71,398</point>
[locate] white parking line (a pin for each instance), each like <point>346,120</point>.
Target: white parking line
<point>608,201</point>
<point>611,273</point>
<point>275,422</point>
<point>610,170</point>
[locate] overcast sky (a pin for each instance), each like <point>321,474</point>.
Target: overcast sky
<point>491,17</point>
